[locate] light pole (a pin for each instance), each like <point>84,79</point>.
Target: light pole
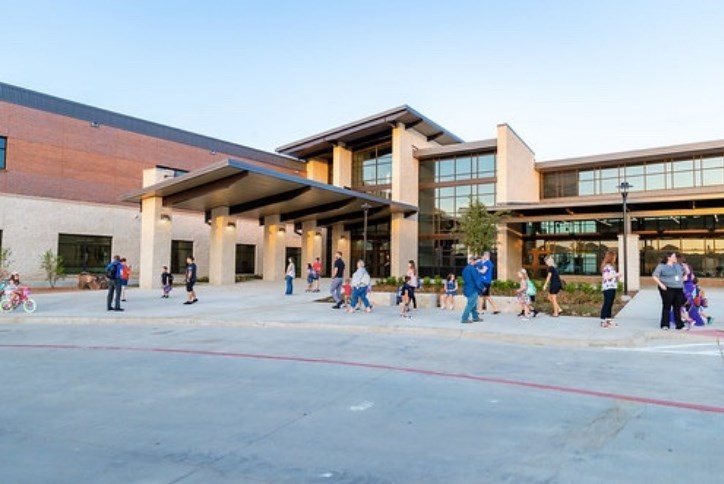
<point>623,188</point>
<point>365,206</point>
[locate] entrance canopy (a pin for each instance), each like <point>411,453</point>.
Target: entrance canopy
<point>257,192</point>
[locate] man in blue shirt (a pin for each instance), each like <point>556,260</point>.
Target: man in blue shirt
<point>486,268</point>
<point>113,272</point>
<point>472,284</point>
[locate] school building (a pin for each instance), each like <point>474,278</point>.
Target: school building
<point>88,183</point>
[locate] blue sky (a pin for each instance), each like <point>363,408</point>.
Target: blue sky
<point>571,77</point>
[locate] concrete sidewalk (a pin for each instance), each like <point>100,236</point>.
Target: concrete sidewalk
<point>262,304</point>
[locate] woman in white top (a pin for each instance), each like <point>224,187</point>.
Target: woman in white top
<point>609,284</point>
<point>291,272</point>
<point>414,281</point>
<point>360,283</point>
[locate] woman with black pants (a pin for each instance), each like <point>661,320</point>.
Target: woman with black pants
<point>669,276</point>
<point>609,283</point>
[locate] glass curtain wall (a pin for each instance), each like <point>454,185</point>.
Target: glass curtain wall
<point>659,175</point>
<point>447,185</point>
<point>578,246</point>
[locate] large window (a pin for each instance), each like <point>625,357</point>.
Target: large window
<point>3,151</point>
<point>180,250</point>
<point>245,258</point>
<point>372,167</point>
<point>658,175</point>
<point>84,253</point>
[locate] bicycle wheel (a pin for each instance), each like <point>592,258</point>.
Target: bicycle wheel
<point>29,305</point>
<point>6,304</point>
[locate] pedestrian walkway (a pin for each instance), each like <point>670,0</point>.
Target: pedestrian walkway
<point>259,303</point>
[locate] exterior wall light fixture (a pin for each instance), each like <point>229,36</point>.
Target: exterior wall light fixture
<point>165,217</point>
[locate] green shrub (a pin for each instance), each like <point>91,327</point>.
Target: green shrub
<point>438,280</point>
<point>426,281</point>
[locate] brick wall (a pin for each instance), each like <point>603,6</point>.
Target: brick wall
<point>54,156</point>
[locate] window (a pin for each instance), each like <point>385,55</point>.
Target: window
<point>245,259</point>
<point>463,167</point>
<point>84,253</point>
<point>180,250</point>
<point>3,150</point>
<point>372,166</point>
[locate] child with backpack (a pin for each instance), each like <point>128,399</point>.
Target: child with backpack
<point>524,293</point>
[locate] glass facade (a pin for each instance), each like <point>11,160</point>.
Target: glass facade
<point>84,253</point>
<point>378,249</point>
<point>447,185</point>
<point>659,175</point>
<point>578,246</point>
<point>372,170</point>
<point>3,151</point>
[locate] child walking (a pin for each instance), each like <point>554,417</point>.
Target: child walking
<point>451,290</point>
<point>523,294</point>
<point>166,282</point>
<point>404,297</point>
<point>347,292</point>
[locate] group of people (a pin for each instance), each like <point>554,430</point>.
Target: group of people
<point>682,300</point>
<point>118,273</point>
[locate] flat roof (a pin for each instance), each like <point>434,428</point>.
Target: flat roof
<point>253,191</point>
<point>653,154</point>
<point>364,129</point>
<point>63,107</point>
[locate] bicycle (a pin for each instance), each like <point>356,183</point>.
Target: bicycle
<point>22,297</point>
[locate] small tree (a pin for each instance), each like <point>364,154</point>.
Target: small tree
<point>53,266</point>
<point>477,227</point>
<point>5,261</point>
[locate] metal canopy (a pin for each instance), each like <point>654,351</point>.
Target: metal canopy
<point>256,192</point>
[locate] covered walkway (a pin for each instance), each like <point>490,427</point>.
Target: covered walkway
<point>229,189</point>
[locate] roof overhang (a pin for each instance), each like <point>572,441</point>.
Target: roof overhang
<point>457,149</point>
<point>682,199</point>
<point>364,130</point>
<point>257,192</point>
<point>650,154</point>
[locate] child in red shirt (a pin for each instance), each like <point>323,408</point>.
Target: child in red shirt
<point>347,292</point>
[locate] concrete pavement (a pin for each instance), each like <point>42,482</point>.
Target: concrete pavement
<point>259,304</point>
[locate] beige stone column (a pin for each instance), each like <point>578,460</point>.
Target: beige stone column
<point>404,231</point>
<point>341,241</point>
<point>633,261</point>
<point>274,248</point>
<point>341,166</point>
<point>222,253</point>
<point>510,254</point>
<point>311,243</point>
<point>155,242</point>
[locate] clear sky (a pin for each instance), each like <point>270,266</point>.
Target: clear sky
<point>571,77</point>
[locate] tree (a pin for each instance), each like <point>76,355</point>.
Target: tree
<point>5,261</point>
<point>53,266</point>
<point>477,227</point>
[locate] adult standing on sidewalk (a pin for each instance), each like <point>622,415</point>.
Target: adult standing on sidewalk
<point>335,288</point>
<point>289,277</point>
<point>113,272</point>
<point>669,276</point>
<point>471,286</point>
<point>609,284</point>
<point>190,280</point>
